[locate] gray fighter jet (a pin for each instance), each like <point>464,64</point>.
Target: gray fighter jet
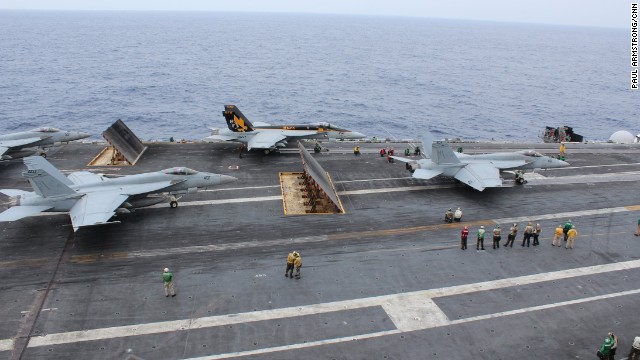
<point>93,199</point>
<point>15,146</point>
<point>266,137</point>
<point>478,171</point>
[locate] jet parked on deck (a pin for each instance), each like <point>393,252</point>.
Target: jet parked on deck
<point>16,145</point>
<point>479,171</point>
<point>268,137</point>
<point>93,199</point>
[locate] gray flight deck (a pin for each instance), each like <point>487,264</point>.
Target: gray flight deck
<point>385,280</point>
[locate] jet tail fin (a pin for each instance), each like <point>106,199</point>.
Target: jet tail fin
<point>236,121</point>
<point>441,153</point>
<point>45,179</point>
<point>427,141</point>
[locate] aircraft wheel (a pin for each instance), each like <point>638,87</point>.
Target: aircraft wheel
<point>44,155</point>
<point>173,204</point>
<point>267,151</point>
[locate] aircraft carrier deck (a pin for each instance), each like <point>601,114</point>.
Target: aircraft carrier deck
<point>385,280</point>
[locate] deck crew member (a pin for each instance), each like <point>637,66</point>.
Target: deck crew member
<point>562,149</point>
<point>496,236</point>
<point>298,264</point>
<point>480,242</point>
<point>536,234</point>
<point>448,216</point>
<point>638,229</point>
<point>290,259</point>
<point>356,150</point>
<point>463,238</point>
<point>571,237</point>
<point>167,279</point>
<point>457,216</point>
<point>567,227</point>
<point>528,231</point>
<point>634,353</point>
<point>416,151</point>
<point>512,235</point>
<point>558,236</point>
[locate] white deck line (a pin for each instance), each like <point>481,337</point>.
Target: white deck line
<point>394,332</point>
<point>431,317</point>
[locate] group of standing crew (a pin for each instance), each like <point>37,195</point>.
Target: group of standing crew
<point>530,237</point>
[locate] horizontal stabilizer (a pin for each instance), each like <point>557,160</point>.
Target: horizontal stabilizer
<point>19,212</point>
<point>426,174</point>
<point>13,192</point>
<point>20,142</point>
<point>3,150</point>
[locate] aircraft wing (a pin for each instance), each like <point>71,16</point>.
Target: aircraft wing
<point>95,208</point>
<point>19,212</point>
<point>402,159</point>
<point>426,174</point>
<point>265,140</point>
<point>508,164</point>
<point>84,177</point>
<point>214,138</point>
<point>3,150</point>
<point>479,176</point>
<point>137,189</point>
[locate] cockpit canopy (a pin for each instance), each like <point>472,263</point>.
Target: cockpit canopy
<point>179,171</point>
<point>46,130</point>
<point>531,153</point>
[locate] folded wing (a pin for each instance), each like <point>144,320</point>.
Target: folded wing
<point>95,208</point>
<point>479,176</point>
<point>265,140</point>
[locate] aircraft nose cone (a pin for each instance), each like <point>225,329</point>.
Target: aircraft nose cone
<point>563,163</point>
<point>357,135</point>
<point>227,179</point>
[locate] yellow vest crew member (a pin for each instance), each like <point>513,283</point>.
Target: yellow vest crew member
<point>557,238</point>
<point>571,237</point>
<point>298,264</point>
<point>290,259</point>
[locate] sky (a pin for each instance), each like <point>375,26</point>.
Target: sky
<point>600,13</point>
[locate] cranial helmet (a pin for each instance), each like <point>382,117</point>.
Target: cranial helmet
<point>498,226</point>
<point>481,226</point>
<point>166,269</point>
<point>466,228</point>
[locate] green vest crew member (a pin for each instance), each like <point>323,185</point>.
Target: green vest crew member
<point>167,279</point>
<point>638,229</point>
<point>480,243</point>
<point>567,227</point>
<point>298,265</point>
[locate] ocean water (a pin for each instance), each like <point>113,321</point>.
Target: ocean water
<point>169,74</point>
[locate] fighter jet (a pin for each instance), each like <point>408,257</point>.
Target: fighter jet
<point>478,171</point>
<point>93,199</point>
<point>14,146</point>
<point>268,137</point>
